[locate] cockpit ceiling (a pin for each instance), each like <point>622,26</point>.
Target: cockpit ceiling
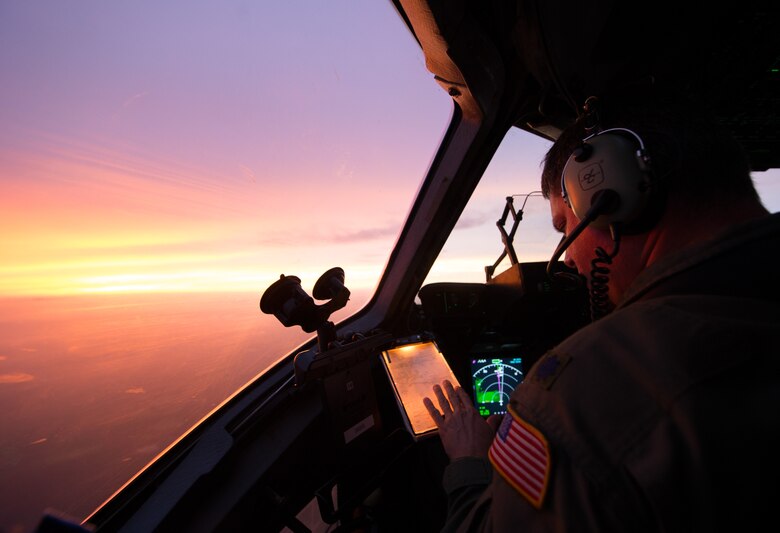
<point>554,54</point>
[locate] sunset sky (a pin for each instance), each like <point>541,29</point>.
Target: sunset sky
<point>211,146</point>
<point>201,147</point>
<point>207,145</point>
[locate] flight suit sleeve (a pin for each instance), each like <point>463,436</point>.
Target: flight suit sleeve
<point>574,502</point>
<point>546,473</point>
<point>465,480</point>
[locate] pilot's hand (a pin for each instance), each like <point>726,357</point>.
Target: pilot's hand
<point>463,432</point>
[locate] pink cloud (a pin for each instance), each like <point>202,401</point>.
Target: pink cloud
<point>18,377</point>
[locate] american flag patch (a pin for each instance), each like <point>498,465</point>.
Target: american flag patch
<point>520,454</point>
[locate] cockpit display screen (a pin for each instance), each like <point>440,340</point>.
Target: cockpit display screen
<point>494,379</point>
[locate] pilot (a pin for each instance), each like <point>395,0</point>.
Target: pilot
<point>664,412</point>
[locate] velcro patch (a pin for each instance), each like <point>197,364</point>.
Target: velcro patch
<point>521,455</point>
<point>549,367</point>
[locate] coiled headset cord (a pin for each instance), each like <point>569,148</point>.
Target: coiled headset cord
<point>600,304</point>
<point>606,201</point>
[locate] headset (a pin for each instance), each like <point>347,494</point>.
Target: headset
<point>611,160</point>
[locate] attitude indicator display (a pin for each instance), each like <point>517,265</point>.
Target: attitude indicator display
<point>494,379</point>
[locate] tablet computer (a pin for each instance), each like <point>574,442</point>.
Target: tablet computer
<point>413,370</point>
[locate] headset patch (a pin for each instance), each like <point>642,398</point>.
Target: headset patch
<point>521,455</point>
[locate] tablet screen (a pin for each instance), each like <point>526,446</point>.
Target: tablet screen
<point>414,369</point>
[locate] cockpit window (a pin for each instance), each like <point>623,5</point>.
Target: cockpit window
<point>162,164</point>
<point>515,171</point>
<point>476,243</point>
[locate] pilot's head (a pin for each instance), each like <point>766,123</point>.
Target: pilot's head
<point>661,169</point>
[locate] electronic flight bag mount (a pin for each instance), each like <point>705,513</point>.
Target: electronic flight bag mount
<point>292,306</point>
<point>340,369</point>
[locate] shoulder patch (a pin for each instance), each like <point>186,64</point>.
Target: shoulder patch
<point>521,455</point>
<point>549,367</point>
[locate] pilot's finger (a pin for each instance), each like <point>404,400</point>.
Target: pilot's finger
<point>435,415</point>
<point>444,404</point>
<point>494,421</point>
<point>463,397</point>
<point>453,397</point>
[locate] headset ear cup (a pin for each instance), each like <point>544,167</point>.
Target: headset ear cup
<point>614,159</point>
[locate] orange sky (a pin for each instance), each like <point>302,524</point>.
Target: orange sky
<point>85,219</point>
